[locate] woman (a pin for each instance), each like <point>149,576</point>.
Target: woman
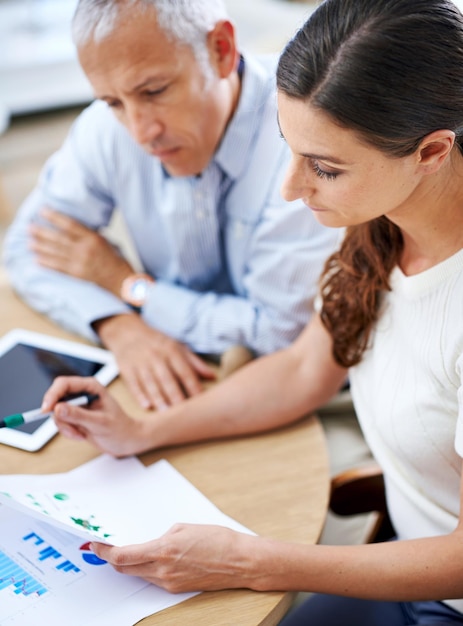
<point>370,97</point>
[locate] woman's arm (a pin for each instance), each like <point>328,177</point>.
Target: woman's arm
<point>194,557</point>
<point>267,393</point>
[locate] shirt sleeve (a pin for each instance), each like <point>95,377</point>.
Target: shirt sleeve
<point>67,184</point>
<point>274,294</point>
<point>273,268</point>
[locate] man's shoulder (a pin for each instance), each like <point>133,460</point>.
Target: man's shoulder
<point>268,61</point>
<point>262,67</point>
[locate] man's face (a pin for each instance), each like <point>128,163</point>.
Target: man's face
<point>159,92</point>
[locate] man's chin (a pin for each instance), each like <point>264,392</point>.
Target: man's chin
<point>176,162</point>
<point>178,170</point>
<point>182,169</point>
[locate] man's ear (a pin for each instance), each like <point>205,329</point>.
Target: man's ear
<point>223,52</point>
<point>434,150</point>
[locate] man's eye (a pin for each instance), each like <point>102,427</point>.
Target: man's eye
<point>151,93</point>
<point>113,104</point>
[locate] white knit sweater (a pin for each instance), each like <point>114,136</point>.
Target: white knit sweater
<point>409,399</point>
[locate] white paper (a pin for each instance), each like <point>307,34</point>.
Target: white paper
<point>48,574</point>
<point>114,501</point>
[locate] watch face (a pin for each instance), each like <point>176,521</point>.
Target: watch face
<point>134,289</point>
<point>139,289</point>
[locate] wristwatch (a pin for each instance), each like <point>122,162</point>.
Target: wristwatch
<point>134,289</point>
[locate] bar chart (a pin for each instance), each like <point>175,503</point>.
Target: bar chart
<point>35,568</point>
<point>47,551</point>
<point>14,576</point>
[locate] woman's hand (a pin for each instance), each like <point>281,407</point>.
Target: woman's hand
<point>103,423</point>
<point>189,557</point>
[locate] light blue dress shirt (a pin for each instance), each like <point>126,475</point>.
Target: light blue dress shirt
<point>233,262</point>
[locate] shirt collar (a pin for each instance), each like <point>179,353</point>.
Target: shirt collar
<point>236,143</point>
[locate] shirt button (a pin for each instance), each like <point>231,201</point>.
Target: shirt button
<point>239,230</point>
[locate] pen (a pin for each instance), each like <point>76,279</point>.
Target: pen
<point>11,421</point>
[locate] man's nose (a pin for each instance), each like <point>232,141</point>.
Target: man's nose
<point>143,125</point>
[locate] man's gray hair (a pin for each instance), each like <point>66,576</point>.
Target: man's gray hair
<point>185,21</point>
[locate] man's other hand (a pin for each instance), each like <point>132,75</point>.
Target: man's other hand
<point>158,370</point>
<point>65,245</point>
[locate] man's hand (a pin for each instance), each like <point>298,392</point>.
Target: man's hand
<point>70,247</point>
<point>158,370</point>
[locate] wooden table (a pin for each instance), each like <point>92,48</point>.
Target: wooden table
<point>276,484</point>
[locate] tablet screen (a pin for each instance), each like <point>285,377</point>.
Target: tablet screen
<point>27,371</point>
<point>29,362</point>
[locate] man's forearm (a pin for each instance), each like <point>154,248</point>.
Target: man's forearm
<point>110,328</point>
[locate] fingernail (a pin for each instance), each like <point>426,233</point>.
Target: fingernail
<point>46,406</point>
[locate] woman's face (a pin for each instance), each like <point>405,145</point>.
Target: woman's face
<point>341,179</point>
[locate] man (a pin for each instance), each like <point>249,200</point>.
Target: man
<point>183,140</point>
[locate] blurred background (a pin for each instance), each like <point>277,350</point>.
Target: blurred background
<point>42,88</point>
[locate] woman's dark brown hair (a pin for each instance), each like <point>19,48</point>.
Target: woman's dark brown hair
<point>392,71</point>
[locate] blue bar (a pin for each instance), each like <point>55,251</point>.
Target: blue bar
<point>49,552</point>
<point>67,566</point>
<point>38,540</point>
<point>5,583</point>
<point>13,571</point>
<point>32,586</point>
<point>23,580</point>
<point>25,583</point>
<point>3,558</point>
<point>11,575</point>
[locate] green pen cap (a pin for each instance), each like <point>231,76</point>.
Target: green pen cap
<point>13,420</point>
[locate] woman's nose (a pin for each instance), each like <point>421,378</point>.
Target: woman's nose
<point>295,184</point>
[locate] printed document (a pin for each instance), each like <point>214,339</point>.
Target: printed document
<point>49,575</point>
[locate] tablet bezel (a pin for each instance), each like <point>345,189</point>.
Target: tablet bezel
<point>36,440</point>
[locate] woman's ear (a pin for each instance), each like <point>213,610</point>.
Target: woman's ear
<point>434,150</point>
<point>222,46</point>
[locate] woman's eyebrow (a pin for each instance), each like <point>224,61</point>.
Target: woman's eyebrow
<point>324,157</point>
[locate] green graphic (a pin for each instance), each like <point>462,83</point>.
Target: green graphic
<point>88,525</point>
<point>61,496</point>
<point>36,503</point>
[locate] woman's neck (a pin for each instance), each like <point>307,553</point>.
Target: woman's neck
<point>432,224</point>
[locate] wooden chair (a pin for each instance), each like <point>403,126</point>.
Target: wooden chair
<point>361,490</point>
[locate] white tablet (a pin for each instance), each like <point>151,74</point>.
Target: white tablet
<point>29,362</point>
